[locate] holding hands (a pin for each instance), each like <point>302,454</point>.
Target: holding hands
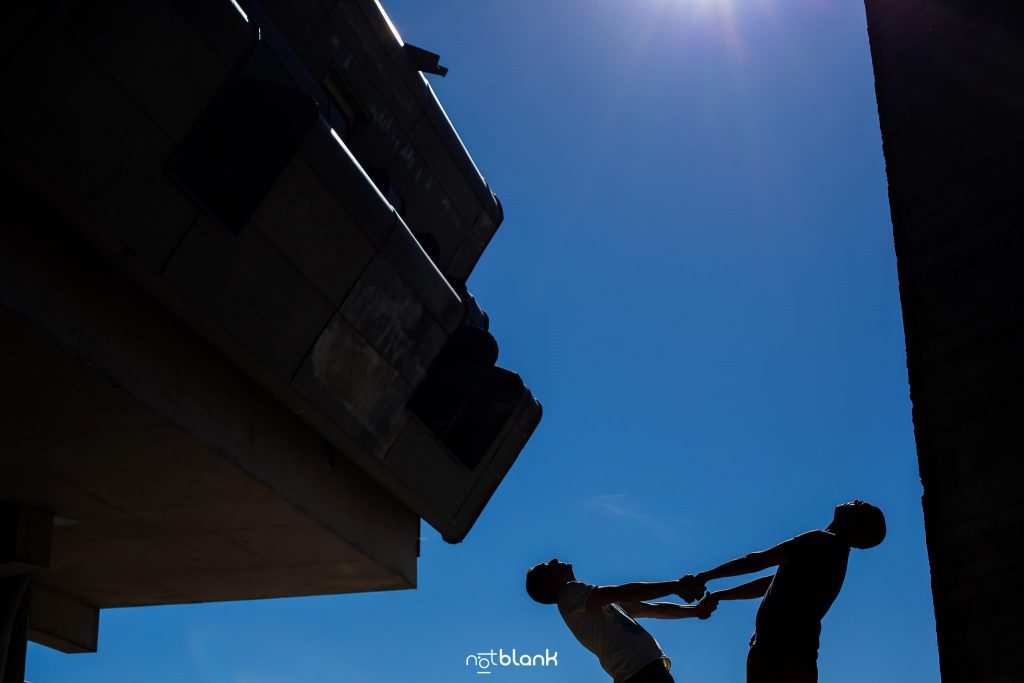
<point>691,588</point>
<point>707,605</point>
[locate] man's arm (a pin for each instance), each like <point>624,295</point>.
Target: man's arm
<point>747,591</point>
<point>630,592</point>
<point>667,610</point>
<point>748,564</point>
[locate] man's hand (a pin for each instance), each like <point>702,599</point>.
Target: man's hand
<point>691,588</point>
<point>707,605</point>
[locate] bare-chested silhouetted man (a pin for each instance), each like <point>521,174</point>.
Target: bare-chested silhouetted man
<point>811,569</point>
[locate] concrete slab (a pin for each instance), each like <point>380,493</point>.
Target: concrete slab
<point>391,316</point>
<point>371,38</point>
<point>332,577</point>
<point>149,530</point>
<point>428,143</point>
<point>297,20</point>
<point>222,27</point>
<point>407,257</point>
<point>25,537</point>
<point>355,386</point>
<point>92,141</point>
<point>342,175</point>
<point>17,25</point>
<point>308,224</point>
<point>426,467</point>
<point>173,84</point>
<point>472,247</point>
<point>428,208</point>
<point>201,328</point>
<point>245,283</point>
<point>62,622</point>
<point>384,136</point>
<point>207,489</point>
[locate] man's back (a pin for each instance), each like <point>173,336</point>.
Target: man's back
<point>804,587</point>
<point>623,646</point>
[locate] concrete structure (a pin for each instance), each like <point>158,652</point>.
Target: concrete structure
<point>949,77</point>
<point>240,357</point>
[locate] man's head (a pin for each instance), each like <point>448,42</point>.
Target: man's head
<point>544,580</point>
<point>860,524</point>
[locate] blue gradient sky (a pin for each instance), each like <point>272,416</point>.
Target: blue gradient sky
<point>696,276</point>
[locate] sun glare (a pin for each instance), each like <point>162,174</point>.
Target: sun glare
<point>717,16</point>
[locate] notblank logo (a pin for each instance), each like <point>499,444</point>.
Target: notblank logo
<point>487,662</point>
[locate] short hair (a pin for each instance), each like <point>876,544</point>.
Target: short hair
<point>866,527</point>
<point>539,585</point>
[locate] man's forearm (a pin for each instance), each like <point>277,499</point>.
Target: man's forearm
<point>662,610</point>
<point>631,592</point>
<point>748,564</point>
<point>640,591</point>
<point>747,591</point>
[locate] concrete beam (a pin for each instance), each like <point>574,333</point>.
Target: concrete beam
<point>25,538</point>
<point>13,621</point>
<point>200,450</point>
<point>62,622</point>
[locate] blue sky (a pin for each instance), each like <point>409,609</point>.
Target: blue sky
<point>696,276</point>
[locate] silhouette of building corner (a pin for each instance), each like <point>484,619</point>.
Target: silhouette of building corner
<point>240,356</point>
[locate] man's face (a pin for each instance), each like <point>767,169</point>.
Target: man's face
<point>560,570</point>
<point>841,511</point>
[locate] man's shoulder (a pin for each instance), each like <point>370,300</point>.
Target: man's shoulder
<point>576,584</point>
<point>817,536</point>
<point>810,543</point>
<point>572,596</point>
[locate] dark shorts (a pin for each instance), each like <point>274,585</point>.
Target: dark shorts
<point>767,666</point>
<point>655,672</point>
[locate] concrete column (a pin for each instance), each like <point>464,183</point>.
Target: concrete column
<point>14,606</point>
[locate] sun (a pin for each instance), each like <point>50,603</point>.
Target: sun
<point>714,16</point>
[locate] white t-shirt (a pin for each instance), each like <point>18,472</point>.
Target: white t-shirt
<point>622,645</point>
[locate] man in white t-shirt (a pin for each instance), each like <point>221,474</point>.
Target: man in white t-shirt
<point>603,618</point>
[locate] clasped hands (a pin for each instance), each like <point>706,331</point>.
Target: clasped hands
<point>691,588</point>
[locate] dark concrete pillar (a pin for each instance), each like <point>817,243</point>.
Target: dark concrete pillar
<point>948,77</point>
<point>14,607</point>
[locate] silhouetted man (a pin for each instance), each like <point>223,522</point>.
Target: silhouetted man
<point>603,618</point>
<point>811,569</point>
